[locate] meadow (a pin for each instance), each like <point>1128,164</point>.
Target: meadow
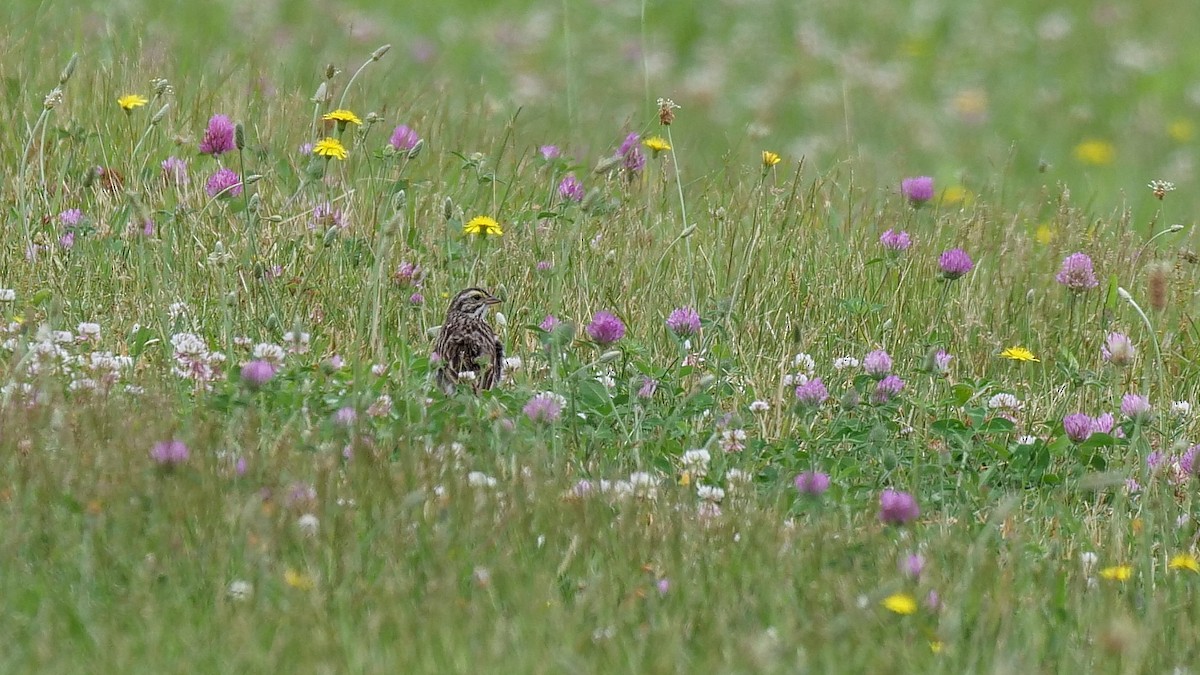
<point>839,340</point>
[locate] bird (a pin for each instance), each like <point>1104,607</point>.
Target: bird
<point>467,344</point>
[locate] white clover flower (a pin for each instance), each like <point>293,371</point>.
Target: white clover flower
<point>760,406</point>
<point>1004,402</point>
<point>7,295</point>
<point>381,407</point>
<point>177,309</point>
<point>1088,560</point>
<point>88,331</point>
<point>378,369</point>
<point>513,363</point>
<point>710,493</point>
<point>1181,408</point>
<point>271,353</point>
<point>843,362</point>
<point>480,479</point>
<point>696,460</point>
<point>733,440</point>
<point>1027,439</point>
<point>805,363</point>
<point>62,337</point>
<point>707,510</point>
<point>644,485</point>
<point>308,524</point>
<point>240,590</point>
<point>736,477</point>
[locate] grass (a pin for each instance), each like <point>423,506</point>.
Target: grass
<point>344,516</point>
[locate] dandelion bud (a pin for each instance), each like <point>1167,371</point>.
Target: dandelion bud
<point>378,53</point>
<point>321,95</point>
<point>1029,297</point>
<point>687,231</point>
<point>448,208</point>
<point>416,149</point>
<point>158,116</point>
<point>610,356</point>
<point>330,71</point>
<point>69,70</point>
<point>161,87</point>
<point>273,219</point>
<point>239,136</point>
<point>53,99</point>
<point>252,179</point>
<point>255,202</point>
<point>1176,227</point>
<point>372,118</point>
<point>331,236</point>
<point>399,200</point>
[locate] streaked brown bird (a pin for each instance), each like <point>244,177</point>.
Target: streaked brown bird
<point>467,343</point>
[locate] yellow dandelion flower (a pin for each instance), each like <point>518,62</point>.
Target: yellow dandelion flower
<point>957,194</point>
<point>342,116</point>
<point>900,603</point>
<point>483,226</point>
<point>770,159</point>
<point>656,144</point>
<point>298,580</point>
<point>1184,561</point>
<point>1117,573</point>
<point>1095,152</point>
<point>1181,130</point>
<point>330,147</point>
<point>130,101</point>
<point>1017,353</point>
<point>936,646</point>
<point>1044,234</point>
<point>685,478</point>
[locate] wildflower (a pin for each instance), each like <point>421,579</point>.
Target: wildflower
<point>1181,408</point>
<point>544,407</point>
<point>805,362</point>
<point>649,386</point>
<point>1103,424</point>
<point>708,510</point>
<point>710,493</point>
<point>1118,349</point>
<point>733,440</point>
<point>887,388</point>
<point>544,266</point>
<point>175,170</point>
<point>1004,401</point>
<point>300,496</point>
<point>1160,188</point>
<point>684,321</point>
<point>549,152</point>
<point>1184,561</point>
<point>812,393</point>
<point>1017,353</point>
<point>606,328</point>
<point>407,273</point>
<point>663,585</point>
<point>631,156</point>
<point>67,241</point>
<point>656,144</point>
<point>1136,407</point>
<point>240,590</point>
<point>330,147</point>
<point>770,159</point>
<point>666,111</point>
<point>900,603</point>
<point>130,101</point>
<point>941,361</point>
<point>844,362</point>
<point>897,508</point>
<point>169,454</point>
<point>298,580</point>
<point>570,188</point>
<point>342,117</point>
<point>218,136</point>
<point>404,139</point>
<point>912,565</point>
<point>1076,273</point>
<point>380,407</point>
<point>643,484</point>
<point>811,483</point>
<point>257,373</point>
<point>345,416</point>
<point>1078,427</point>
<point>1095,152</point>
<point>696,461</point>
<point>7,295</point>
<point>70,218</point>
<point>308,524</point>
<point>325,215</point>
<point>877,363</point>
<point>549,323</point>
<point>917,190</point>
<point>895,240</point>
<point>1117,573</point>
<point>483,226</point>
<point>223,183</point>
<point>759,406</point>
<point>954,263</point>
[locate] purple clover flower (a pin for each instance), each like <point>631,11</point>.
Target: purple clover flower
<point>169,454</point>
<point>175,170</point>
<point>1136,407</point>
<point>649,386</point>
<point>225,183</point>
<point>684,321</point>
<point>606,328</point>
<point>894,240</point>
<point>812,393</point>
<point>257,373</point>
<point>887,388</point>
<point>941,361</point>
<point>954,263</point>
<point>877,364</point>
<point>345,416</point>
<point>1078,426</point>
<point>570,188</point>
<point>912,565</point>
<point>403,139</point>
<point>917,190</point>
<point>812,483</point>
<point>326,215</point>
<point>549,152</point>
<point>218,137</point>
<point>1103,424</point>
<point>70,218</point>
<point>1076,273</point>
<point>630,153</point>
<point>549,323</point>
<point>1118,349</point>
<point>544,407</point>
<point>1187,461</point>
<point>897,508</point>
<point>544,266</point>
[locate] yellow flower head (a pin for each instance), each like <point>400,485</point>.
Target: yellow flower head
<point>342,116</point>
<point>1095,152</point>
<point>900,603</point>
<point>957,194</point>
<point>330,147</point>
<point>770,159</point>
<point>1185,561</point>
<point>298,580</point>
<point>1044,234</point>
<point>130,101</point>
<point>483,226</point>
<point>1181,130</point>
<point>656,144</point>
<point>1018,354</point>
<point>1117,573</point>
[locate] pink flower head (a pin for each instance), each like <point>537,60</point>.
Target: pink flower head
<point>606,328</point>
<point>257,373</point>
<point>549,152</point>
<point>1076,273</point>
<point>897,508</point>
<point>955,263</point>
<point>649,386</point>
<point>224,183</point>
<point>684,321</point>
<point>570,188</point>
<point>175,170</point>
<point>404,139</point>
<point>544,407</point>
<point>218,137</point>
<point>877,363</point>
<point>917,190</point>
<point>1078,426</point>
<point>631,154</point>
<point>549,323</point>
<point>894,240</point>
<point>1136,407</point>
<point>887,388</point>
<point>169,454</point>
<point>812,393</point>
<point>812,483</point>
<point>1118,349</point>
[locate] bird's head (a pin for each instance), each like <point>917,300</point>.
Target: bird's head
<point>473,301</point>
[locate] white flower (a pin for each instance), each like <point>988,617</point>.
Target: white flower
<point>733,440</point>
<point>513,363</point>
<point>500,319</point>
<point>297,344</point>
<point>736,476</point>
<point>271,353</point>
<point>177,309</point>
<point>240,590</point>
<point>1004,402</point>
<point>1181,408</point>
<point>707,510</point>
<point>467,375</point>
<point>710,493</point>
<point>760,406</point>
<point>88,331</point>
<point>480,479</point>
<point>607,380</point>
<point>62,337</point>
<point>1027,439</point>
<point>381,407</point>
<point>843,362</point>
<point>804,362</point>
<point>482,575</point>
<point>308,524</point>
<point>378,369</point>
<point>643,485</point>
<point>1088,560</point>
<point>7,295</point>
<point>696,461</point>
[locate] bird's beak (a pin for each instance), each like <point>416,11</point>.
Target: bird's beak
<point>493,301</point>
